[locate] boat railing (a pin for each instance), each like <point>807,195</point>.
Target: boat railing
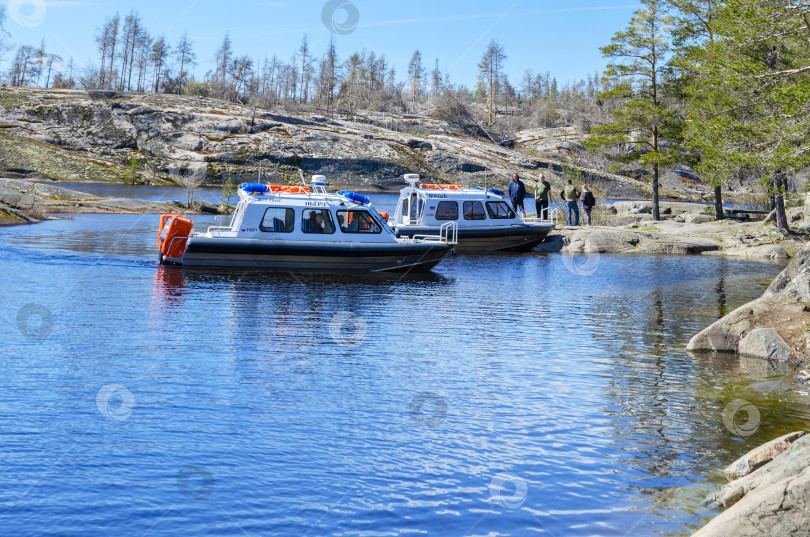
<point>448,234</point>
<point>553,218</point>
<point>216,231</point>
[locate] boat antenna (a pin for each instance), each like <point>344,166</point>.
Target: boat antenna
<point>260,172</point>
<point>302,177</point>
<point>485,180</point>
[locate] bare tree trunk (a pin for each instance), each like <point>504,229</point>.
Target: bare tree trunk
<point>656,208</point>
<point>719,214</point>
<point>779,201</point>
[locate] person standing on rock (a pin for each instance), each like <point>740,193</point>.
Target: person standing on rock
<point>517,193</point>
<point>571,196</point>
<point>588,202</point>
<point>542,195</point>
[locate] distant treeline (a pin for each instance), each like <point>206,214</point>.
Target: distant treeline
<point>130,58</point>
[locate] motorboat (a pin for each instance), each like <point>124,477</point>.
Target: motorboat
<point>486,222</point>
<point>302,228</point>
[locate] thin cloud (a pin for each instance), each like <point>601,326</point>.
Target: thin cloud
<point>473,16</point>
<point>67,3</point>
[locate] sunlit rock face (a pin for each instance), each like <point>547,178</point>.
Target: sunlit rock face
<point>109,136</point>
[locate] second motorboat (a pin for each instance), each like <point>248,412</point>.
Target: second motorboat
<point>486,222</point>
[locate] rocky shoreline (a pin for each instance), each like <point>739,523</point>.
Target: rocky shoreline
<point>72,135</point>
<point>686,229</point>
<point>773,327</point>
<point>26,202</point>
<point>769,492</point>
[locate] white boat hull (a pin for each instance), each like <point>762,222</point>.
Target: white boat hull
<point>513,238</point>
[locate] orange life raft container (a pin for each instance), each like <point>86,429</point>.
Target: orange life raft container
<point>178,229</point>
<point>431,186</point>
<point>295,189</point>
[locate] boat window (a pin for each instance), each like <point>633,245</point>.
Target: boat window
<point>417,204</point>
<point>447,210</point>
<point>474,210</point>
<point>317,221</point>
<point>278,220</point>
<point>499,209</point>
<point>357,222</point>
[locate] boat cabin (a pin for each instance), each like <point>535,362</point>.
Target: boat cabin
<point>434,205</point>
<point>274,212</point>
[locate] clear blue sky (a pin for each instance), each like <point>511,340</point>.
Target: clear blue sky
<point>563,38</point>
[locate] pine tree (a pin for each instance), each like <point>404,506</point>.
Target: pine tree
<point>187,59</point>
<point>490,75</point>
<point>695,29</point>
<point>113,29</point>
<point>436,80</point>
<point>306,69</point>
<point>416,73</point>
<point>639,69</point>
<point>753,86</point>
<point>330,74</point>
<point>223,58</point>
<point>160,53</point>
<point>51,58</point>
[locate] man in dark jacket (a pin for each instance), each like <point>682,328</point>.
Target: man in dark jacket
<point>517,193</point>
<point>588,201</point>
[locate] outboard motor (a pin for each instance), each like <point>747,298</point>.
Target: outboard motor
<point>178,230</point>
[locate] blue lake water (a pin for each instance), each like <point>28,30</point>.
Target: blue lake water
<point>500,395</point>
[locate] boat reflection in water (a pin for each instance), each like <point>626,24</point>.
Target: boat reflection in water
<point>268,307</point>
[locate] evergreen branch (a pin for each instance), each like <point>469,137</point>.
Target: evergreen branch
<point>788,72</point>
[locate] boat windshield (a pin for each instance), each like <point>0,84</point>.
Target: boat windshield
<point>499,210</point>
